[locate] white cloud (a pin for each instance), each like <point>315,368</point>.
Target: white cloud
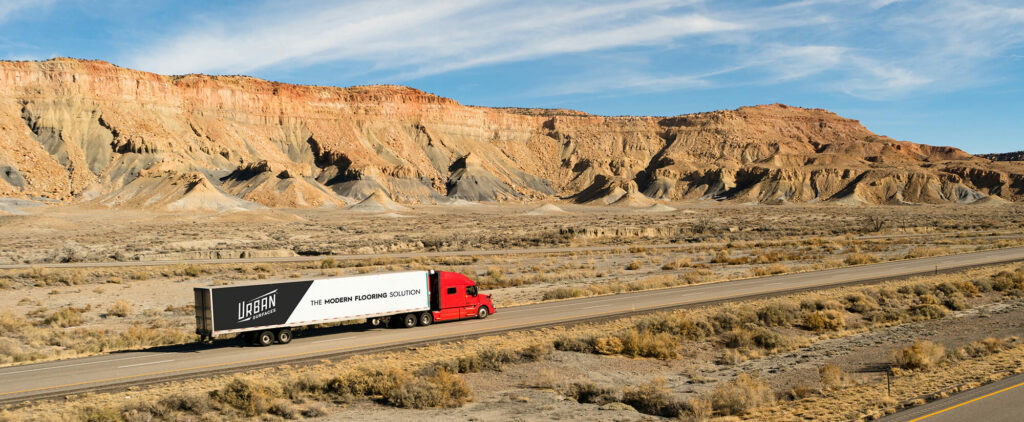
<point>788,63</point>
<point>875,49</point>
<point>10,7</point>
<point>426,37</point>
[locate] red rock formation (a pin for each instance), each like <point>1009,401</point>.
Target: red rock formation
<point>78,130</point>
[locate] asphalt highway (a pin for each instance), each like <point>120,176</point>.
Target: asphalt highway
<point>118,370</point>
<point>1000,401</point>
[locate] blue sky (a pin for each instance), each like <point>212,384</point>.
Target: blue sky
<point>937,72</point>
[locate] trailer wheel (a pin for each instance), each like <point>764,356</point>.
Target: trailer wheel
<point>265,338</point>
<point>374,322</point>
<point>409,320</point>
<point>426,318</point>
<point>284,335</point>
<point>482,312</point>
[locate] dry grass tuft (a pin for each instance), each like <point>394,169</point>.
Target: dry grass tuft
<point>740,395</point>
<point>831,376</point>
<point>121,309</point>
<point>922,354</point>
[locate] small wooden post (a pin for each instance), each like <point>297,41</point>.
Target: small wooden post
<point>888,382</point>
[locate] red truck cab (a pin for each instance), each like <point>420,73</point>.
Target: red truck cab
<point>454,296</point>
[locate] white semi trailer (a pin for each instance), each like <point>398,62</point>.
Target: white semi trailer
<point>268,312</point>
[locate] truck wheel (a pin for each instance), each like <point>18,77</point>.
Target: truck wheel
<point>374,322</point>
<point>284,335</point>
<point>426,318</point>
<point>482,312</point>
<point>265,338</point>
<point>409,320</point>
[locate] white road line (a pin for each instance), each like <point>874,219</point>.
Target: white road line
<point>146,363</point>
<point>596,306</point>
<point>76,364</point>
<point>332,339</point>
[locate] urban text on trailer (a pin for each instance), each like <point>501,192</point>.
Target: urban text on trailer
<point>267,313</point>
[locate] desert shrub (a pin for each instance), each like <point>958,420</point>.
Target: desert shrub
<point>927,311</point>
<point>983,285</point>
<point>11,323</point>
<point>677,263</point>
<point>283,409</point>
<point>248,396</point>
<point>563,293</point>
<point>649,345</point>
<point>858,258</point>
<point>859,303</point>
<point>100,414</point>
<point>924,251</point>
<point>588,392</point>
<point>778,314</point>
<point>928,299</point>
<point>771,341</point>
<point>69,252</point>
<point>121,308</point>
<point>190,403</point>
<point>821,305</point>
<point>798,392</point>
<point>733,317</point>
<point>831,376</point>
<point>314,410</point>
<point>573,344</point>
<point>740,395</point>
<point>654,398</point>
<point>442,389</point>
<point>738,338</point>
<point>955,301</point>
<point>65,317</point>
<point>361,382</point>
<point>678,324</point>
<point>1002,284</point>
<point>922,354</point>
<point>967,288</point>
<point>696,276</point>
<point>983,347</point>
<point>884,316</point>
<point>829,320</point>
<point>611,345</point>
<point>536,352</point>
<point>634,265</point>
<point>328,263</point>
<point>769,270</point>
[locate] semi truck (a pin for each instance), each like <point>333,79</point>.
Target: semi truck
<point>266,313</point>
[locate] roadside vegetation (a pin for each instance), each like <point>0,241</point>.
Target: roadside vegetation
<point>731,334</point>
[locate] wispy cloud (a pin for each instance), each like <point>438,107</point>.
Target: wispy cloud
<point>875,49</point>
<point>10,7</point>
<point>419,39</point>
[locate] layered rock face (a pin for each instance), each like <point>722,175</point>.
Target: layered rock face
<point>73,130</point>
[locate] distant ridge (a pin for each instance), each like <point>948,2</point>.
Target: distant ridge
<point>1004,156</point>
<point>88,131</point>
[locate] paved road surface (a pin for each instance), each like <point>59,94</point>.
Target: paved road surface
<point>53,379</point>
<point>1001,401</point>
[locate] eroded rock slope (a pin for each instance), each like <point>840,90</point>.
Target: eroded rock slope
<point>74,130</point>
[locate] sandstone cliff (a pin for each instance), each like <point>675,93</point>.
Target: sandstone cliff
<point>74,130</point>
